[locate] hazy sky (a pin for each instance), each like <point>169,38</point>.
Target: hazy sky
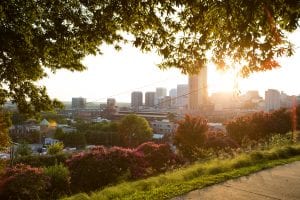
<point>117,74</point>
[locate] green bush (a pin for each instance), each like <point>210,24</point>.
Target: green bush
<point>76,139</point>
<point>24,182</point>
<point>55,148</point>
<point>43,160</point>
<point>31,137</point>
<point>59,179</point>
<point>23,149</point>
<point>134,130</point>
<point>278,140</point>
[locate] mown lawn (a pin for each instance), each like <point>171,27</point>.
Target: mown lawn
<point>198,175</point>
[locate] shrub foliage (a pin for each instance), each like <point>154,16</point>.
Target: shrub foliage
<point>42,160</point>
<point>59,179</point>
<point>159,157</point>
<point>55,148</point>
<point>190,136</point>
<point>259,126</point>
<point>24,182</point>
<point>99,167</point>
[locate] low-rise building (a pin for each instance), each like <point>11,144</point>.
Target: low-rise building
<point>50,141</point>
<point>66,128</point>
<point>162,127</point>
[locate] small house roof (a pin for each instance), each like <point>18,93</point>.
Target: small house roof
<point>44,122</point>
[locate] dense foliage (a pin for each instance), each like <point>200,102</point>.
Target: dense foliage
<point>159,157</point>
<point>103,166</point>
<point>4,125</point>
<point>55,148</point>
<point>104,133</point>
<point>23,149</point>
<point>100,167</point>
<point>24,182</point>
<point>75,139</point>
<point>134,130</point>
<point>30,137</point>
<point>219,141</point>
<point>259,126</point>
<point>42,160</point>
<point>59,180</point>
<point>84,127</point>
<point>103,138</point>
<point>190,136</point>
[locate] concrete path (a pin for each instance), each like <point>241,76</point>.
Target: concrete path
<point>282,182</point>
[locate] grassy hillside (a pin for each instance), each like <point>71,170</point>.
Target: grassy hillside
<point>196,176</point>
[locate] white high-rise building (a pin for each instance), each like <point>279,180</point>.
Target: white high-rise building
<point>198,90</point>
<point>173,95</point>
<point>149,99</point>
<point>136,100</point>
<point>272,100</point>
<point>182,95</point>
<point>173,92</point>
<point>160,93</point>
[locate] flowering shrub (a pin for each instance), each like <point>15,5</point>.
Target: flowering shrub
<point>190,136</point>
<point>158,156</point>
<point>102,166</point>
<point>259,126</point>
<point>24,182</point>
<point>219,141</point>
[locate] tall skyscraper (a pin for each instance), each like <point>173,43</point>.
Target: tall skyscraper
<point>173,95</point>
<point>173,92</point>
<point>182,95</point>
<point>78,103</point>
<point>110,108</point>
<point>136,100</point>
<point>165,102</point>
<point>272,100</point>
<point>111,103</point>
<point>160,93</point>
<point>198,90</point>
<point>149,99</point>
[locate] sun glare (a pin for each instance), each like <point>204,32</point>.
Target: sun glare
<point>222,80</point>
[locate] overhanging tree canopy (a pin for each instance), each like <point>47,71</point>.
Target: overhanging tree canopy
<point>58,34</point>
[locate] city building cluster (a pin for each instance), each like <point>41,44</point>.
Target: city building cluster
<point>191,98</point>
<point>161,108</point>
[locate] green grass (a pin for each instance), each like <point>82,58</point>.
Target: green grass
<point>196,176</point>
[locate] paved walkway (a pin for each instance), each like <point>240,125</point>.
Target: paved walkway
<point>282,182</point>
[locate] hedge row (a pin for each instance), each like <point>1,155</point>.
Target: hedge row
<point>54,176</point>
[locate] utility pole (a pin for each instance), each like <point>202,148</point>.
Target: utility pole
<point>294,121</point>
<point>12,153</point>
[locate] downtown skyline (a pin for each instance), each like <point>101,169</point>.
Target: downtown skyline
<point>117,74</point>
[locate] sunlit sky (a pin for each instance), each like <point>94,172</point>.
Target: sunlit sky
<point>117,74</point>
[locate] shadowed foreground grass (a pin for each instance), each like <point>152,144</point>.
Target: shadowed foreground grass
<point>195,176</point>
